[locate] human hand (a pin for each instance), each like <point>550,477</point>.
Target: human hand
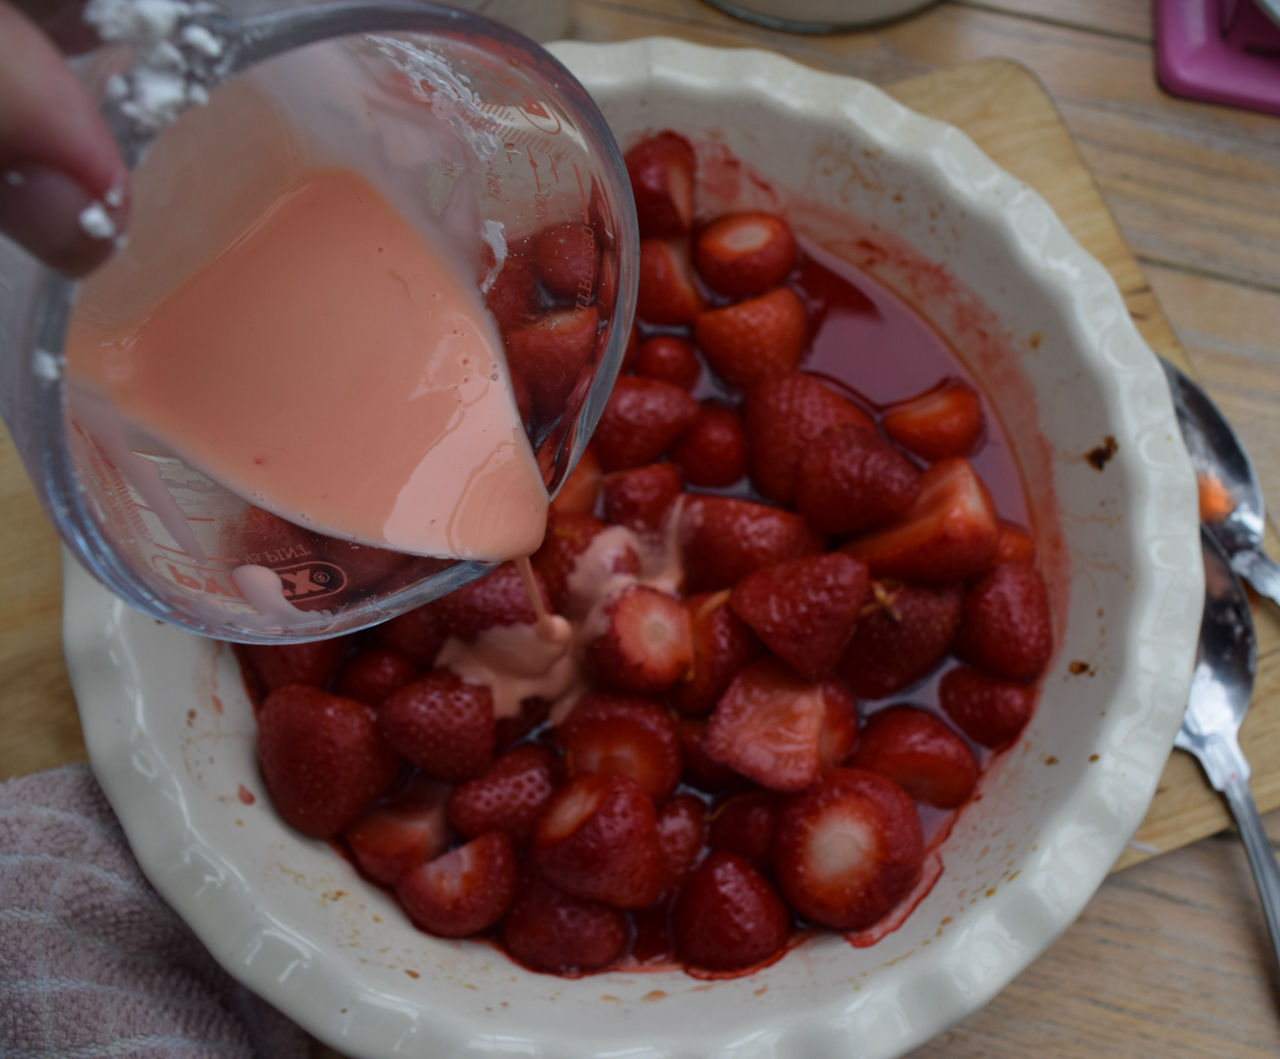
<point>57,158</point>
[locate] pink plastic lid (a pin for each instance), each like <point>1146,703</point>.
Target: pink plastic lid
<point>1222,51</point>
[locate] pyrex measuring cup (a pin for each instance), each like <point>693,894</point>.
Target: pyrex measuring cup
<point>463,124</point>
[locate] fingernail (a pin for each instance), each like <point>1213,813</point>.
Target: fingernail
<point>56,219</point>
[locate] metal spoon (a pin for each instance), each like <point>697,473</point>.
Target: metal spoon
<point>1220,692</point>
<point>1216,453</point>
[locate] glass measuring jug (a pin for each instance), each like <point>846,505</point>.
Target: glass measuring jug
<point>472,132</point>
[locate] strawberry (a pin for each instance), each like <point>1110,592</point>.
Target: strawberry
<point>513,297</point>
<point>722,645</point>
<point>498,598</point>
<point>646,644</point>
<point>747,341</point>
<point>369,676</point>
<point>666,294</point>
<point>464,890</point>
<point>641,418</point>
<point>744,254</point>
<point>949,533</point>
<point>1016,544</point>
<point>642,498</point>
<point>363,565</point>
<point>1005,629</point>
<point>728,917</point>
<point>268,540</point>
<point>783,416</point>
<point>920,754</point>
<point>712,452</point>
<point>804,609</point>
<point>699,770</point>
<point>662,170</point>
<point>533,710</point>
<point>567,257</point>
<point>902,635</point>
<point>416,635</point>
<point>682,821</point>
<point>723,539</point>
<point>850,480</point>
<point>276,665</point>
<point>579,492</point>
<point>848,849</point>
<point>549,930</point>
<point>550,354</point>
<point>671,359</point>
<point>598,839</point>
<point>406,830</point>
<point>441,723</point>
<point>632,352</point>
<point>988,710</point>
<point>943,422</point>
<point>628,735</point>
<point>568,538</point>
<point>509,796</point>
<point>746,825</point>
<point>780,730</point>
<point>322,758</point>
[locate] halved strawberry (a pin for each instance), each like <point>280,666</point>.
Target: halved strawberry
<point>682,823</point>
<point>671,359</point>
<point>666,293</point>
<point>550,354</point>
<point>581,489</point>
<point>646,643</point>
<point>1005,628</point>
<point>743,254</point>
<point>1016,544</point>
<point>904,632</point>
<point>628,735</point>
<point>662,169</point>
<point>497,598</point>
<point>442,723</point>
<point>567,540</point>
<point>598,839</point>
<point>369,676</point>
<point>780,730</point>
<point>723,539</point>
<point>712,452</point>
<point>943,422</point>
<point>322,757</point>
<point>568,261</point>
<point>949,533</point>
<point>988,710</point>
<point>641,418</point>
<point>549,930</point>
<point>723,644</point>
<point>746,825</point>
<point>749,340</point>
<point>783,416</point>
<point>699,770</point>
<point>850,480</point>
<point>276,665</point>
<point>848,849</point>
<point>920,754</point>
<point>416,635</point>
<point>728,916</point>
<point>642,498</point>
<point>804,609</point>
<point>463,891</point>
<point>406,830</point>
<point>509,796</point>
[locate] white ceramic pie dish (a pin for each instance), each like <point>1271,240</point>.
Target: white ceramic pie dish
<point>1040,323</point>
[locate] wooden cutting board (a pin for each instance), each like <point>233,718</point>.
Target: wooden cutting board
<point>1005,110</point>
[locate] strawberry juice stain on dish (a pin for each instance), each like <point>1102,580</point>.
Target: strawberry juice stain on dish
<point>330,366</point>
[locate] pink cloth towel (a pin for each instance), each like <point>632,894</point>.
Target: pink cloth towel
<point>92,961</point>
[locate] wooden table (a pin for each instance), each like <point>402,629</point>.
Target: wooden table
<point>1171,958</point>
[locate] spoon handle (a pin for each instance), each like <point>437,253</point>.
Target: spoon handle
<point>1262,858</point>
<point>1260,570</point>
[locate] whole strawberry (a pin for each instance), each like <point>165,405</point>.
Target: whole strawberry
<point>990,711</point>
<point>729,917</point>
<point>723,539</point>
<point>442,723</point>
<point>713,451</point>
<point>549,930</point>
<point>509,796</point>
<point>1005,628</point>
<point>723,644</point>
<point>498,598</point>
<point>920,754</point>
<point>322,758</point>
<point>642,417</point>
<point>850,479</point>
